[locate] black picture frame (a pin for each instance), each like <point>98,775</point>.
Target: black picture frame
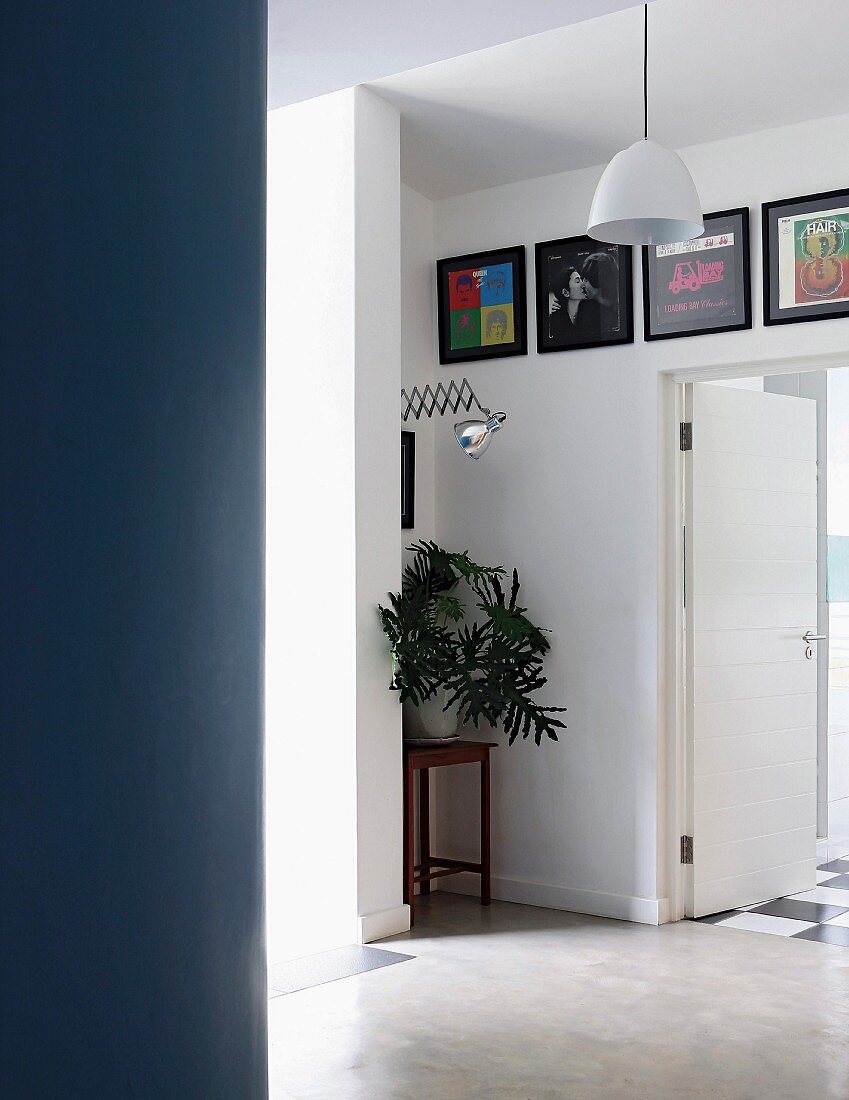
<point>610,315</point>
<point>665,276</point>
<point>820,283</point>
<point>408,480</point>
<point>471,319</point>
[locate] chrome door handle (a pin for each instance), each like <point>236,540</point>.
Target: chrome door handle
<point>809,637</point>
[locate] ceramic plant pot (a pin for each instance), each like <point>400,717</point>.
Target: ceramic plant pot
<point>430,720</point>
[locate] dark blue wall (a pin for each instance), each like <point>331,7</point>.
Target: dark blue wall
<point>131,479</point>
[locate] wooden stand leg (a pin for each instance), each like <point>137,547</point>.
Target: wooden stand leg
<point>409,839</point>
<point>424,826</point>
<point>486,889</point>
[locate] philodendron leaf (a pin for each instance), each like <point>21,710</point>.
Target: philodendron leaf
<point>490,669</point>
<point>514,590</point>
<point>513,624</point>
<point>450,607</point>
<point>471,571</point>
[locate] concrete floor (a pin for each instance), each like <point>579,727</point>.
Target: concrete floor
<point>520,1003</point>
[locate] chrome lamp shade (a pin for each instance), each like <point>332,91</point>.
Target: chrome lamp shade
<point>474,436</point>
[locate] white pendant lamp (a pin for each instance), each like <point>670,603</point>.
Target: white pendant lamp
<point>645,195</point>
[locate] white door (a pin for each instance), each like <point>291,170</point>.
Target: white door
<point>751,594</point>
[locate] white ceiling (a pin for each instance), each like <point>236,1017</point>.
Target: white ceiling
<point>324,45</point>
<point>572,97</point>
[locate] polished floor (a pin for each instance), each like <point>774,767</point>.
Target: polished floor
<point>520,1003</point>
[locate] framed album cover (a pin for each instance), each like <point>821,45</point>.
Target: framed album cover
<point>696,287</point>
<point>584,294</point>
<point>408,480</point>
<point>481,305</point>
<point>806,258</point>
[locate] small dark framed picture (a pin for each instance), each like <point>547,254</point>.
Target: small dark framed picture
<point>481,305</point>
<point>408,480</point>
<point>806,258</point>
<point>584,294</point>
<point>692,288</point>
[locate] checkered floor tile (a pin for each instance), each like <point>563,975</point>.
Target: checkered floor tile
<point>821,914</point>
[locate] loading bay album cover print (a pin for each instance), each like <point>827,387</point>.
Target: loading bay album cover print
<point>484,306</point>
<point>695,287</point>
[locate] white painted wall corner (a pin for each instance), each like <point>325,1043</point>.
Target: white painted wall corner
<point>572,899</point>
<point>388,922</point>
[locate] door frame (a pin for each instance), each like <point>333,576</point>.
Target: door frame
<point>675,805</point>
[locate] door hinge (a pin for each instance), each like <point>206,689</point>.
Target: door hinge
<point>686,435</point>
<point>686,849</point>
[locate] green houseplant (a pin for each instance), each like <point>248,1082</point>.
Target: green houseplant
<point>489,667</point>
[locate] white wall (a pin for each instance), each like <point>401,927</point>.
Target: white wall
<point>310,823</point>
<point>570,495</point>
<point>333,790</point>
<point>418,332</point>
<point>377,381</point>
<point>417,363</point>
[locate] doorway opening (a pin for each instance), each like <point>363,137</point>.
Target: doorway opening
<point>763,652</point>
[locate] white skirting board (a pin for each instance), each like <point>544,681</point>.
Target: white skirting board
<point>388,922</point>
<point>573,899</point>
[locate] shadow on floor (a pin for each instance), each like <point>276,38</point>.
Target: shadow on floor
<point>443,914</point>
<point>328,966</point>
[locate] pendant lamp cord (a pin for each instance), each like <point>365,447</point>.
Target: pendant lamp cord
<point>646,72</point>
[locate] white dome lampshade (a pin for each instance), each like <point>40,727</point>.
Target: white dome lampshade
<point>645,196</point>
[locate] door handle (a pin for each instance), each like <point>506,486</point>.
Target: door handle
<point>809,637</point>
